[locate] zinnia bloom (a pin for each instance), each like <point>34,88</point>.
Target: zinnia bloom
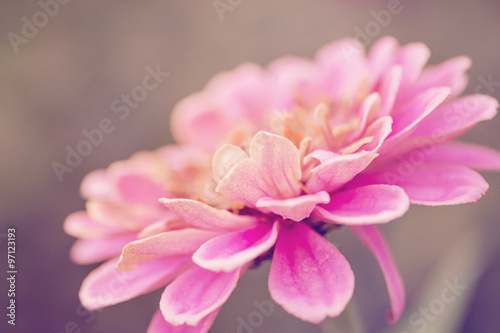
<point>297,149</point>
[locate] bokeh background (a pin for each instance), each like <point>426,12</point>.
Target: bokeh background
<point>65,77</point>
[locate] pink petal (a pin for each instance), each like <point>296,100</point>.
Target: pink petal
<point>365,205</point>
<point>380,129</point>
<point>202,216</point>
<point>430,184</point>
<point>389,88</point>
<point>279,162</point>
<point>107,286</point>
<point>226,158</point>
<point>159,325</point>
<point>414,111</point>
<point>230,251</point>
<point>245,87</point>
<point>244,183</point>
<point>343,68</point>
<point>412,58</point>
<point>165,245</point>
<point>92,250</point>
<point>367,112</point>
<point>380,56</point>
<point>195,294</point>
<point>297,208</point>
<point>165,225</point>
<point>80,225</point>
<point>453,119</point>
<point>467,154</point>
<point>140,189</point>
<point>204,122</point>
<point>309,277</point>
<point>450,73</point>
<point>373,239</point>
<point>133,217</point>
<point>338,170</point>
<point>98,185</point>
<point>295,81</point>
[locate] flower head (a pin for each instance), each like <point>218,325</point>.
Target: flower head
<point>296,150</point>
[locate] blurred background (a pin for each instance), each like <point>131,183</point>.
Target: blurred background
<point>61,78</point>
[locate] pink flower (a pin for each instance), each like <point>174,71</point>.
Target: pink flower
<point>297,150</point>
<point>122,206</point>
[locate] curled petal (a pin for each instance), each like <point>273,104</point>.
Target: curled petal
<point>297,208</point>
<point>279,163</point>
<point>379,130</point>
<point>244,183</point>
<point>226,158</point>
<point>373,239</point>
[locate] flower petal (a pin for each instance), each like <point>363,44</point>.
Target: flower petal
<point>80,225</point>
<point>226,158</point>
<point>133,217</point>
<point>244,183</point>
<point>295,81</point>
<point>309,277</point>
<point>279,163</point>
<point>159,325</point>
<point>297,208</point>
<point>412,58</point>
<point>389,87</point>
<point>230,251</point>
<point>164,225</point>
<point>195,294</point>
<point>379,130</point>
<point>140,189</point>
<point>430,184</point>
<point>165,245</point>
<point>365,205</point>
<point>467,154</point>
<point>338,170</point>
<point>107,286</point>
<point>202,121</point>
<point>200,215</point>
<point>98,185</point>
<point>407,117</point>
<point>453,119</point>
<point>93,250</point>
<point>450,73</point>
<point>373,239</point>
